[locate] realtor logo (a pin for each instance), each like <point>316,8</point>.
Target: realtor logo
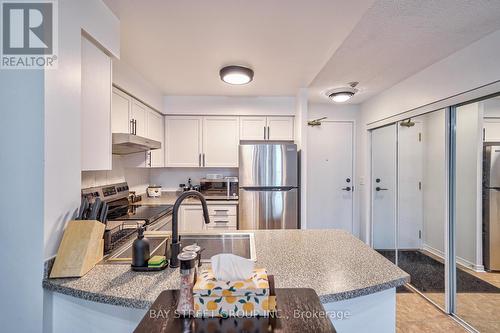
<point>28,34</point>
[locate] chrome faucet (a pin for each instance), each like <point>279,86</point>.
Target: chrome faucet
<point>175,247</point>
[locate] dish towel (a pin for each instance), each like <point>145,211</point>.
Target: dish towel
<point>230,267</point>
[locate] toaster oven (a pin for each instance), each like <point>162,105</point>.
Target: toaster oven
<point>219,189</point>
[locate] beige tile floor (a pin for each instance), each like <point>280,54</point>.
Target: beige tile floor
<point>481,310</point>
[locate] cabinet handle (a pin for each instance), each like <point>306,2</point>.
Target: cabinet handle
<point>131,131</point>
<point>264,132</point>
<point>222,221</point>
<point>268,132</point>
<point>150,158</point>
<point>135,126</point>
<point>221,210</point>
<point>203,159</point>
<point>199,159</point>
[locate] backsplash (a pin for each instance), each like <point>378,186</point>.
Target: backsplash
<point>137,178</point>
<point>170,178</point>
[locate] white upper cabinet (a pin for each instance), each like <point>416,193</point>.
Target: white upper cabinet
<point>156,132</point>
<point>139,118</point>
<point>267,128</point>
<point>253,128</point>
<point>122,106</point>
<point>280,128</point>
<point>220,141</point>
<point>183,146</point>
<point>96,108</point>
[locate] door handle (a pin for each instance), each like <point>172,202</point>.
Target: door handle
<point>346,189</point>
<point>378,188</point>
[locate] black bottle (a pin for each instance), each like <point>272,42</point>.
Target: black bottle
<point>140,250</point>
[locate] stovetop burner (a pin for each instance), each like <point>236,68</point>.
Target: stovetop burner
<point>139,212</point>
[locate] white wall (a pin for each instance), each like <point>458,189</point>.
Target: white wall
<point>170,178</point>
<point>434,181</point>
<point>21,199</point>
<point>137,178</point>
<point>62,111</point>
<point>468,185</point>
<point>212,105</point>
<point>469,68</point>
<point>339,113</point>
<point>135,84</point>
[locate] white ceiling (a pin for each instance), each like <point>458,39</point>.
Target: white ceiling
<point>396,39</point>
<point>180,45</point>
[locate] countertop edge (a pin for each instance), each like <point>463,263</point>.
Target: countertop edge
<point>143,304</point>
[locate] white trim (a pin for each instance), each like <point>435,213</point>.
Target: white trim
<point>460,261</point>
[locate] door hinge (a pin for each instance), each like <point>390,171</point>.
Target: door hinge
<point>420,234</point>
<point>420,186</point>
<point>419,137</point>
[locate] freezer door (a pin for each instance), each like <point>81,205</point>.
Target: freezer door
<point>268,164</point>
<point>492,231</point>
<point>268,209</point>
<point>493,155</point>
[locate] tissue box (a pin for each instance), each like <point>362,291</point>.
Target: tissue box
<point>250,297</point>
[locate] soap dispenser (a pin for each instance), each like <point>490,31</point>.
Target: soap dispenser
<point>140,249</point>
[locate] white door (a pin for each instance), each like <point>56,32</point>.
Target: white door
<point>383,187</point>
<point>253,128</point>
<point>139,115</point>
<point>183,141</point>
<point>121,108</point>
<point>330,176</point>
<point>280,128</point>
<point>156,132</point>
<point>191,218</point>
<point>220,141</point>
<point>96,108</point>
<point>410,204</point>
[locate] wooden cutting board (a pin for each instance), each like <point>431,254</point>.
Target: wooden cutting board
<point>81,248</point>
<point>290,302</point>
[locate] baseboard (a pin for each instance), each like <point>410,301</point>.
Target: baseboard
<point>460,261</point>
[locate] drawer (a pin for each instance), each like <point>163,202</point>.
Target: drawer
<point>222,210</point>
<point>221,221</point>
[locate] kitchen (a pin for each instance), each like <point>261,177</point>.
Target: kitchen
<point>301,164</point>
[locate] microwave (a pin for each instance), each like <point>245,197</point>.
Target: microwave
<point>219,189</point>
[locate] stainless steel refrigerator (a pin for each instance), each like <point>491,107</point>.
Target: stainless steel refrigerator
<point>268,188</point>
<point>491,206</point>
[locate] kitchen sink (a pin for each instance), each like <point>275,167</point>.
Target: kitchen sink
<point>241,244</point>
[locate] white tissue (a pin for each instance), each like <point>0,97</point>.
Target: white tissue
<point>230,267</point>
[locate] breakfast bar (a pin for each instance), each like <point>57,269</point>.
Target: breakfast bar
<point>354,283</point>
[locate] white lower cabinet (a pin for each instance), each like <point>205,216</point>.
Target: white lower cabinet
<point>222,217</point>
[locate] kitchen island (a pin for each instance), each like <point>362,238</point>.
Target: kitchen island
<point>353,281</point>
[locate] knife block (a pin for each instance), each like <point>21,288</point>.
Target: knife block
<point>80,250</point>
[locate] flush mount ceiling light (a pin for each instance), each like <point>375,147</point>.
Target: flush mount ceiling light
<point>341,95</point>
<point>236,75</point>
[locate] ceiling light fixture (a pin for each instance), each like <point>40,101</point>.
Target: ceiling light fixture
<point>236,75</point>
<point>341,95</point>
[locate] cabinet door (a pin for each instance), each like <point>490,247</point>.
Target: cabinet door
<point>183,141</point>
<point>120,115</point>
<point>280,128</point>
<point>252,128</point>
<point>220,141</point>
<point>156,132</point>
<point>491,130</point>
<point>96,108</point>
<point>139,114</point>
<point>191,218</point>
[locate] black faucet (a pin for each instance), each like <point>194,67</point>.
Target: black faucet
<point>175,247</point>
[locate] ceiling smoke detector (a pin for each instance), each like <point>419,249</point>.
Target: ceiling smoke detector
<point>237,75</point>
<point>341,95</point>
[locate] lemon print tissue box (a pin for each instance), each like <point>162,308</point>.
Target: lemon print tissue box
<point>213,298</point>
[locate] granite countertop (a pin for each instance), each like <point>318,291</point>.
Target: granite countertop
<point>334,263</point>
<point>169,197</point>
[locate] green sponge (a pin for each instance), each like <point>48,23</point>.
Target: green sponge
<point>157,261</point>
